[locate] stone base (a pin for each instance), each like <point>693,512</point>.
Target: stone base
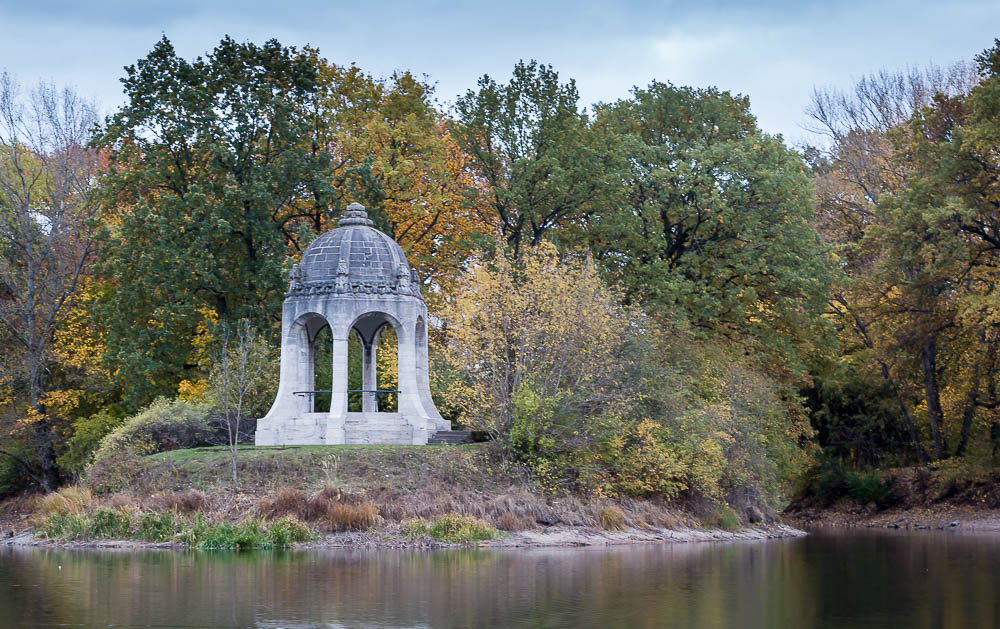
<point>356,428</point>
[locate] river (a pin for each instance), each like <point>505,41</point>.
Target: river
<point>857,579</point>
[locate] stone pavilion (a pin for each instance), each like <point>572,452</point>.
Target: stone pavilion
<point>352,278</point>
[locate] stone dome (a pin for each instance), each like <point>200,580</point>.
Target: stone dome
<point>354,258</point>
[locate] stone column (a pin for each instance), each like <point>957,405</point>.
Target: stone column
<point>338,399</point>
<point>369,377</point>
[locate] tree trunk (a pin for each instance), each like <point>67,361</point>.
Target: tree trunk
<point>928,363</point>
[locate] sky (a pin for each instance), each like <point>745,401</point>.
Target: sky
<point>774,51</point>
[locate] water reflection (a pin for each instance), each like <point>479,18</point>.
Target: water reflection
<point>858,580</point>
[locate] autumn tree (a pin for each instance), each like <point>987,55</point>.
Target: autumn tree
<point>46,178</point>
<point>393,151</point>
<point>894,304</point>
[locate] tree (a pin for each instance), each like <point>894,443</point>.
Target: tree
<point>715,223</point>
<point>210,161</point>
<point>542,165</point>
<point>46,178</point>
<point>393,151</point>
<point>243,375</point>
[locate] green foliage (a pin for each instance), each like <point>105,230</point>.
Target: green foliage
<point>88,432</point>
<point>249,535</point>
<point>167,526</point>
<point>715,224</point>
<point>164,425</point>
<point>109,524</point>
<point>865,488</point>
<point>724,518</point>
<point>544,167</point>
<point>210,160</point>
<point>451,528</point>
<point>159,527</point>
<point>830,481</point>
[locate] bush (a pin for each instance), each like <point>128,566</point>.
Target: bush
<point>109,524</point>
<point>451,528</point>
<point>159,527</point>
<point>164,425</point>
<point>88,432</point>
<point>865,488</point>
<point>64,526</point>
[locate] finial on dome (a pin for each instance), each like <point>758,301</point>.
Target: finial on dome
<point>355,214</point>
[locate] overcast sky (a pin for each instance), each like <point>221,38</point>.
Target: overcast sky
<point>773,51</point>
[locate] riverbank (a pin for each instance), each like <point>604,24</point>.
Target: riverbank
<point>360,496</point>
<point>921,498</point>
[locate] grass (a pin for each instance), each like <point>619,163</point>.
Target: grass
<point>194,532</point>
<point>400,467</point>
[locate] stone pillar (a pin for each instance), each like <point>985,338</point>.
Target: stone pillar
<point>369,377</point>
<point>338,399</point>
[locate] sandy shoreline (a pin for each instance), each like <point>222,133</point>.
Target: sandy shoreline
<point>551,537</point>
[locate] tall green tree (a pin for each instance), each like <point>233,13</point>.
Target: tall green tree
<point>543,167</point>
<point>715,223</point>
<point>211,162</point>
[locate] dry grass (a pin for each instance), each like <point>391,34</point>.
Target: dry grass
<point>612,518</point>
<point>186,501</point>
<point>332,508</point>
<point>71,500</point>
<point>348,517</point>
<point>370,485</point>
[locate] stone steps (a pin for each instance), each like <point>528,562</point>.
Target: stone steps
<point>450,438</point>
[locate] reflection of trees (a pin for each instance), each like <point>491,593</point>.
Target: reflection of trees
<point>821,581</point>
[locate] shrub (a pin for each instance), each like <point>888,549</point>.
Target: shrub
<point>286,501</point>
<point>512,522</point>
<point>87,435</point>
<point>451,528</point>
<point>159,527</point>
<point>109,524</point>
<point>612,518</point>
<point>64,526</point>
<point>865,488</point>
<point>250,534</point>
<point>164,425</point>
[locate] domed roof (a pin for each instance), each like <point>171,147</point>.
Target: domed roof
<point>354,258</point>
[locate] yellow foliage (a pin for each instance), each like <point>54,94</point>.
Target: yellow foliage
<point>192,390</point>
<point>548,324</point>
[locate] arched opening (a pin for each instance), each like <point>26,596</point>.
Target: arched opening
<point>387,369</point>
<point>322,370</point>
<point>312,371</point>
<point>355,377</point>
<point>373,364</point>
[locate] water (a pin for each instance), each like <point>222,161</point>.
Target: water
<point>857,580</point>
